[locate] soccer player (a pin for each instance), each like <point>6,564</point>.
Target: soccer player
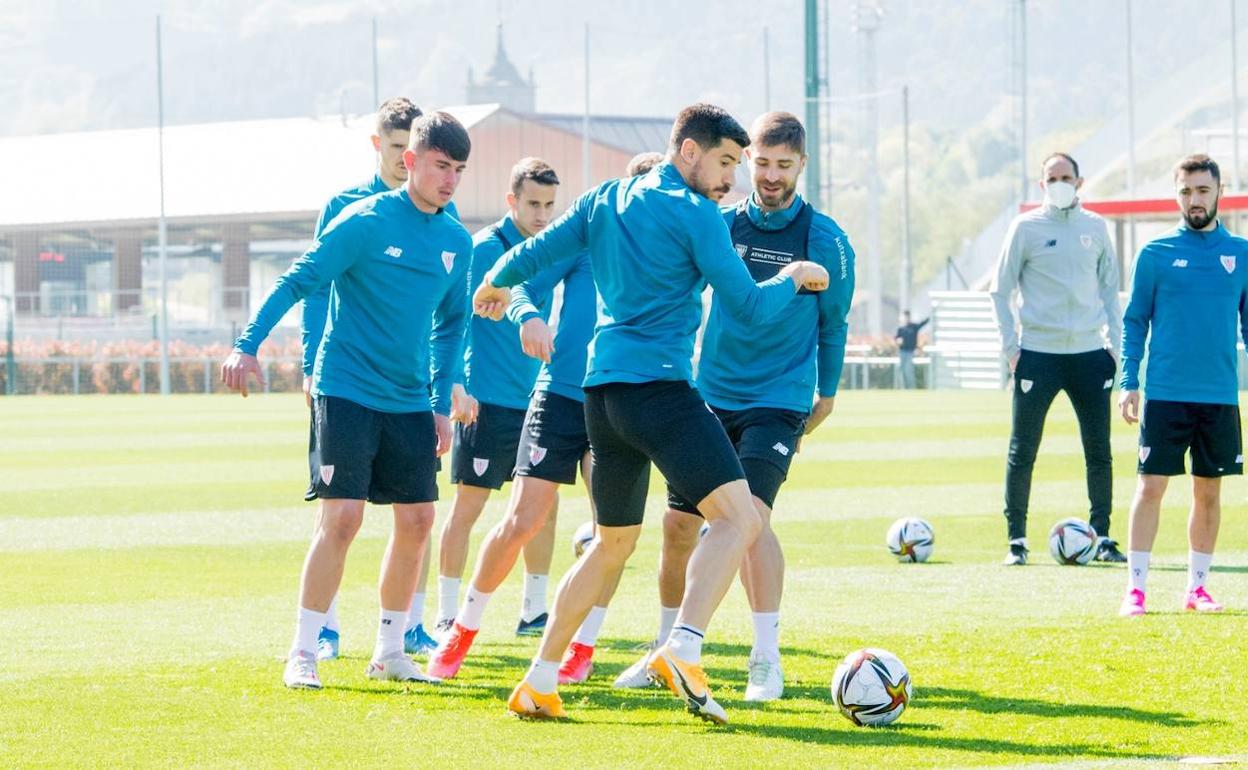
<point>761,380</point>
<point>1059,259</point>
<point>499,376</point>
<point>653,240</point>
<point>1189,299</point>
<point>394,124</point>
<point>382,382</point>
<point>554,442</point>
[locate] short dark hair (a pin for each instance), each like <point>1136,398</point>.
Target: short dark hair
<point>396,114</point>
<point>707,125</point>
<point>1065,156</point>
<point>441,131</point>
<point>532,168</point>
<point>642,162</point>
<point>1198,162</point>
<point>779,129</point>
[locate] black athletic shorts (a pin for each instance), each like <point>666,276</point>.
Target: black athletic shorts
<point>667,422</point>
<point>1169,429</point>
<point>381,457</point>
<point>765,440</point>
<point>484,453</point>
<point>553,440</point>
<point>314,458</point>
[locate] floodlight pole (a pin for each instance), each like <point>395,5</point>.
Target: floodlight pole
<point>904,293</point>
<point>766,70</point>
<point>814,179</point>
<point>10,364</point>
<point>1234,101</point>
<point>376,88</point>
<point>162,228</point>
<point>585,147</point>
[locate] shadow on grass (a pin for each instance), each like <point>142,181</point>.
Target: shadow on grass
<point>972,700</point>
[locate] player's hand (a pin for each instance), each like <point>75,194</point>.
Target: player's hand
<point>1014,362</point>
<point>536,339</point>
<point>236,368</point>
<point>819,412</point>
<point>464,407</point>
<point>807,275</point>
<point>442,426</point>
<point>1129,405</point>
<point>490,301</point>
<point>307,391</point>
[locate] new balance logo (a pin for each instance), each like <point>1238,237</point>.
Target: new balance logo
<point>1050,244</point>
<point>1179,263</point>
<point>781,448</point>
<point>394,251</point>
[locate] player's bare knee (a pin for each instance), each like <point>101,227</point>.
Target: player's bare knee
<point>340,527</point>
<point>1151,488</point>
<point>680,530</point>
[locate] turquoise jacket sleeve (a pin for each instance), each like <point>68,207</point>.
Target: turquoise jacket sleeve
<point>328,258</point>
<point>1136,319</point>
<point>834,252</point>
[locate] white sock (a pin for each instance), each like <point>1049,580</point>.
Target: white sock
<point>307,628</point>
<point>448,597</point>
<point>416,613</point>
<point>534,596</point>
<point>543,676</point>
<point>331,617</point>
<point>667,619</point>
<point>473,608</point>
<point>767,636</point>
<point>389,634</point>
<point>1137,569</point>
<point>587,634</point>
<point>1197,569</point>
<point>686,642</point>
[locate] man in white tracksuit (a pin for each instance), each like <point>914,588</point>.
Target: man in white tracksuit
<point>1060,262</point>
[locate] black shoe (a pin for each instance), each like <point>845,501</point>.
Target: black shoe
<point>1108,551</point>
<point>534,627</point>
<point>1017,556</point>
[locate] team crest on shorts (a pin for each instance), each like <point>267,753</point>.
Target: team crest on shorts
<point>1025,385</point>
<point>1086,240</point>
<point>1144,452</point>
<point>537,454</point>
<point>327,474</point>
<point>479,465</point>
<point>448,260</point>
<point>1228,262</point>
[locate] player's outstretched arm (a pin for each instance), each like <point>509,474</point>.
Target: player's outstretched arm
<point>563,239</point>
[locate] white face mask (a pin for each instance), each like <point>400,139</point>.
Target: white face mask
<point>1059,194</point>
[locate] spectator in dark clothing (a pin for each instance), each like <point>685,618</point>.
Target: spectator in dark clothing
<point>907,342</point>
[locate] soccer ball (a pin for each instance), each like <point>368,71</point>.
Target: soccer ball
<point>871,687</point>
<point>1072,541</point>
<point>581,539</point>
<point>910,540</point>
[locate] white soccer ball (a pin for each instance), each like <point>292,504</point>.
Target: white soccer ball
<point>581,539</point>
<point>911,539</point>
<point>1072,541</point>
<point>871,687</point>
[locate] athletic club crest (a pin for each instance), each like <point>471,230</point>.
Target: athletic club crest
<point>1228,262</point>
<point>327,474</point>
<point>448,260</point>
<point>1086,240</point>
<point>537,454</point>
<point>1144,452</point>
<point>741,249</point>
<point>479,465</point>
<point>1025,385</point>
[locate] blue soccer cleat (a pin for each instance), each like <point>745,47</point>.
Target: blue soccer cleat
<point>417,642</point>
<point>534,627</point>
<point>327,644</point>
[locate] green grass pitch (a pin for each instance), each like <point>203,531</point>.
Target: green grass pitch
<point>150,552</point>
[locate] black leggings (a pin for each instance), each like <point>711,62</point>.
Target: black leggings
<point>1088,380</point>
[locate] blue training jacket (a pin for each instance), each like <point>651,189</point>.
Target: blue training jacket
<point>1188,300</point>
<point>397,308</point>
<point>652,242</point>
<point>316,305</point>
<point>574,329</point>
<point>777,363</point>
